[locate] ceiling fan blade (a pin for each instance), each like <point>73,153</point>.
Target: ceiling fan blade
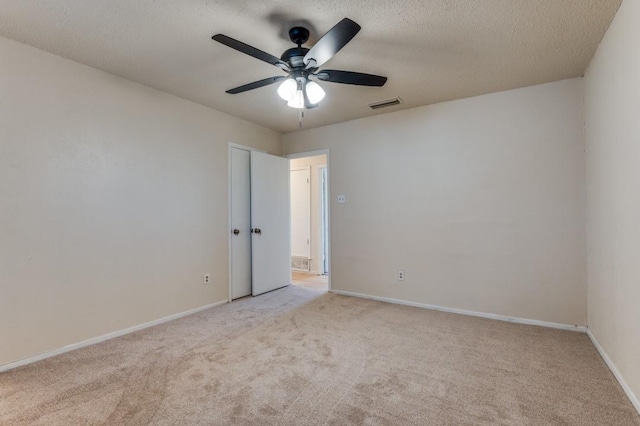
<point>251,51</point>
<point>256,84</point>
<point>350,77</point>
<point>330,43</point>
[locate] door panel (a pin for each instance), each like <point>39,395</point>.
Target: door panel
<point>240,220</point>
<point>271,264</point>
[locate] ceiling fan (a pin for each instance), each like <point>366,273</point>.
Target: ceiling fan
<point>301,63</point>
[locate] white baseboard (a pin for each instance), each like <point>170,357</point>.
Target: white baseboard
<point>104,337</point>
<point>614,370</point>
<point>579,328</point>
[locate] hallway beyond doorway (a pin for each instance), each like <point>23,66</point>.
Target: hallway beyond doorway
<point>311,281</point>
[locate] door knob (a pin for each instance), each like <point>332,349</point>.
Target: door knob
<point>236,231</point>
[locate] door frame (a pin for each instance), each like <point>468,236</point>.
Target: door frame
<point>323,173</point>
<point>229,242</point>
<point>326,152</point>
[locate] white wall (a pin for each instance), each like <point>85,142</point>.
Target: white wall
<point>612,110</point>
<point>113,201</point>
<point>481,201</point>
<point>315,163</point>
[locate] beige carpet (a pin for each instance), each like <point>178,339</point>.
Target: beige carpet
<point>304,357</point>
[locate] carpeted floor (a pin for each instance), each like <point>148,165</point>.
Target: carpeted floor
<point>298,356</point>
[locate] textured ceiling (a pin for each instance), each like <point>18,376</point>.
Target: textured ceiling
<point>431,50</point>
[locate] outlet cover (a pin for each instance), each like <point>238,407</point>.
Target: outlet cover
<point>400,275</point>
<point>342,199</point>
<point>207,279</point>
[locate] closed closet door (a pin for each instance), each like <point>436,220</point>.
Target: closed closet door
<point>240,223</point>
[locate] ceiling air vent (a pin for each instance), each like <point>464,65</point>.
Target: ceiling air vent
<point>384,104</point>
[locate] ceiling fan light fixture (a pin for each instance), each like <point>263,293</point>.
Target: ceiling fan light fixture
<point>301,63</point>
<point>287,89</point>
<point>315,93</point>
<point>297,101</point>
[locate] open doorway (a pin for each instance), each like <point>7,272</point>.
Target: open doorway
<point>309,221</point>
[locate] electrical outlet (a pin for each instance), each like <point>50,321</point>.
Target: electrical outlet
<point>342,199</point>
<point>207,279</point>
<point>400,275</point>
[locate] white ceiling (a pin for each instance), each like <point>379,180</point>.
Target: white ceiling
<point>431,50</point>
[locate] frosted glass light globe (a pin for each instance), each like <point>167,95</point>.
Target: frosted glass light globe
<point>314,92</point>
<point>297,101</point>
<point>287,89</point>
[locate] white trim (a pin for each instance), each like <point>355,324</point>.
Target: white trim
<point>314,153</point>
<point>229,257</point>
<point>578,328</point>
<point>246,148</point>
<point>105,337</point>
<point>616,373</point>
<point>324,220</point>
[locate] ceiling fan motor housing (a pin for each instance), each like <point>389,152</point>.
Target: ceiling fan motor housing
<point>294,56</point>
<point>299,35</point>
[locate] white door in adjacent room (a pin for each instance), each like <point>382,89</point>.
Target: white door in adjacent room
<point>301,212</point>
<point>270,260</point>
